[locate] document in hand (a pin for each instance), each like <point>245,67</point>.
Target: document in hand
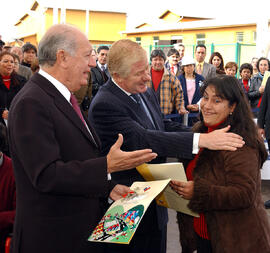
<point>121,220</point>
<point>168,197</point>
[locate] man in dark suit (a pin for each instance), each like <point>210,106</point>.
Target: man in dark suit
<point>125,105</point>
<point>100,74</point>
<point>264,120</point>
<point>61,179</point>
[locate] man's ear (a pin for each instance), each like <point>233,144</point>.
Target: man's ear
<point>61,58</point>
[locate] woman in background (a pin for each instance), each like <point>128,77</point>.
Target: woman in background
<point>191,83</point>
<point>224,187</point>
<point>10,84</point>
<point>231,68</point>
<point>217,60</point>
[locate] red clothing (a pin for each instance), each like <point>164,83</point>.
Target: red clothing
<point>6,81</point>
<point>156,77</point>
<point>7,199</point>
<point>245,83</point>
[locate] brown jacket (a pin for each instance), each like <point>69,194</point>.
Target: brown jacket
<point>227,189</point>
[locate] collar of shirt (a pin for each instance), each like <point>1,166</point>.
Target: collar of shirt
<point>58,85</point>
<point>128,93</point>
<point>99,65</point>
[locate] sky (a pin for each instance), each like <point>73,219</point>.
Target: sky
<point>142,10</point>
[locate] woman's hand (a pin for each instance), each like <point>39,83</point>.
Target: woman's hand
<point>5,114</point>
<point>261,89</point>
<point>184,189</point>
<point>193,107</point>
<point>183,110</point>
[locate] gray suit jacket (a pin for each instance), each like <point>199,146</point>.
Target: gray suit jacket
<point>25,72</point>
<point>209,71</point>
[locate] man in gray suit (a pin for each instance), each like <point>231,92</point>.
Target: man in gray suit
<point>203,68</point>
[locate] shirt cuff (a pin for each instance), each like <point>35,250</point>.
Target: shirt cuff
<point>109,177</point>
<point>195,149</point>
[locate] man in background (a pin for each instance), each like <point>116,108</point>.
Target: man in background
<point>203,68</point>
<point>181,49</point>
<point>29,54</point>
<point>100,74</point>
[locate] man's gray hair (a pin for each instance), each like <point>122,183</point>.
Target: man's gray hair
<point>60,38</point>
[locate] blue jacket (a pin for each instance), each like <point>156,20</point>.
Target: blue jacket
<point>197,95</point>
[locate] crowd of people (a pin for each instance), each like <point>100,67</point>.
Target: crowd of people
<point>75,122</point>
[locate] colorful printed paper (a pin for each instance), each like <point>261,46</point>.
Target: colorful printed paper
<point>121,220</point>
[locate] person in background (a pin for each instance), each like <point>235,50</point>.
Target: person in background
<point>217,60</point>
<point>225,187</point>
<point>181,49</point>
<point>84,94</point>
<point>231,68</point>
<point>245,72</point>
<point>7,190</point>
<point>23,70</point>
<point>191,83</point>
<point>100,74</point>
<point>256,90</point>
<point>2,43</point>
<point>166,85</point>
<point>203,68</point>
<point>172,65</point>
<point>10,84</point>
<point>254,61</point>
<point>264,121</point>
<point>29,54</point>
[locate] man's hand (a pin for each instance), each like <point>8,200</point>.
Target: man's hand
<point>221,140</point>
<point>184,189</point>
<point>118,191</point>
<point>118,160</point>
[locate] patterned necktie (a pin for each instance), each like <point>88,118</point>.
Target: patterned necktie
<point>199,69</point>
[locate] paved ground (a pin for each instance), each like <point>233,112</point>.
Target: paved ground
<point>173,245</point>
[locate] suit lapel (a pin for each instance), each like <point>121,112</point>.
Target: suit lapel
<point>63,105</point>
<point>128,101</point>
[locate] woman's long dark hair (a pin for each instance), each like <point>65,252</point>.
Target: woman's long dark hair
<point>241,120</point>
<point>220,69</point>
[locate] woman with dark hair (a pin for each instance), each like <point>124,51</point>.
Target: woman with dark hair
<point>191,83</point>
<point>224,187</point>
<point>217,60</point>
<point>256,90</point>
<point>10,84</point>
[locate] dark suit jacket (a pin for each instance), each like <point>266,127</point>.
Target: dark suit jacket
<point>98,78</point>
<point>264,112</point>
<point>112,112</point>
<point>61,180</point>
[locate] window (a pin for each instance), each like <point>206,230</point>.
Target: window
<point>138,40</point>
<point>176,39</point>
<point>239,37</point>
<point>200,38</point>
<point>155,40</point>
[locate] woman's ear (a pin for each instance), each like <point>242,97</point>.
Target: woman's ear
<point>232,108</point>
